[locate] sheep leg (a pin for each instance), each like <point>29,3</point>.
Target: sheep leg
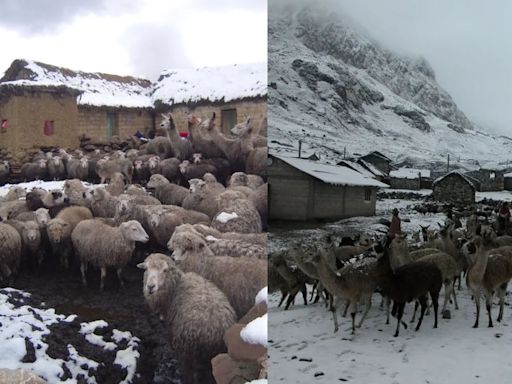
<point>303,289</point>
<point>424,304</point>
<point>388,304</point>
<point>334,316</point>
<point>83,269</point>
<point>477,302</point>
<point>502,290</point>
<point>313,291</point>
<point>120,276</point>
<point>347,304</point>
<point>452,290</point>
<point>366,310</point>
<point>399,317</point>
<point>488,306</point>
<point>416,305</point>
<point>435,302</point>
<point>103,276</point>
<point>283,296</point>
<point>447,294</point>
<point>353,305</point>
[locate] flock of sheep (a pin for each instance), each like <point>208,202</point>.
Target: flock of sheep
<point>399,271</point>
<point>201,199</point>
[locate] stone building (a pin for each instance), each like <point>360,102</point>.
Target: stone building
<point>42,104</point>
<point>233,92</point>
<point>507,181</point>
<point>45,105</point>
<point>488,179</point>
<point>408,178</point>
<point>302,190</point>
<point>380,161</point>
<point>454,188</point>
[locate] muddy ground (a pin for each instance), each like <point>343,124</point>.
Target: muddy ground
<point>123,308</point>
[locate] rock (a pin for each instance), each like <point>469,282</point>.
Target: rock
<point>255,312</point>
<point>238,349</point>
<point>19,376</point>
<point>228,371</point>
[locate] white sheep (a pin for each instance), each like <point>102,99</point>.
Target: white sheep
<point>104,246</point>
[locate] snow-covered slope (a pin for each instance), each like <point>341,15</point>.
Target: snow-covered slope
<point>333,87</point>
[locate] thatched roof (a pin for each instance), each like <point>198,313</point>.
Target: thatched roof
<point>97,89</point>
<point>211,84</point>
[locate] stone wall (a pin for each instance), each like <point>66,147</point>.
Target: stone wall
<point>489,180</point>
<point>92,121</point>
<point>26,115</point>
<point>256,109</point>
<point>454,189</point>
<point>401,183</point>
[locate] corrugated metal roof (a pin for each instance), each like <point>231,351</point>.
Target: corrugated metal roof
<point>332,174</point>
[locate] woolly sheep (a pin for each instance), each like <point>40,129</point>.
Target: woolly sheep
<point>30,241</point>
<point>78,168</point>
<point>105,246</point>
<point>56,168</point>
<point>34,171</point>
<point>116,184</point>
<point>195,310</point>
<point>102,203</point>
<point>9,209</point>
<point>196,170</point>
<point>236,215</point>
<point>167,192</point>
<point>60,228</point>
<point>106,169</point>
<point>74,191</point>
<point>201,198</point>
<point>10,252</point>
<point>14,193</point>
<point>239,278</point>
<point>5,170</point>
<point>162,224</point>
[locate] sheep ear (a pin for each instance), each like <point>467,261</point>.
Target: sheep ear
<point>164,116</point>
<point>141,265</point>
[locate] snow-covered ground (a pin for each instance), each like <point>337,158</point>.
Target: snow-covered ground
<point>26,342</point>
<point>47,185</point>
<point>304,349</point>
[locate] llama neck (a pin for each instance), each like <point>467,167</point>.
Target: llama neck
<point>328,274</point>
<point>477,271</point>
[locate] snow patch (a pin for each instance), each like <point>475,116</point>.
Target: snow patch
<point>256,331</point>
<point>262,296</point>
<point>224,217</point>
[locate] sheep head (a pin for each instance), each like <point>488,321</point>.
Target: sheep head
<point>197,158</point>
<point>133,230</point>
<point>182,243</point>
<point>160,274</point>
<point>57,230</point>
<point>184,166</point>
<point>42,216</point>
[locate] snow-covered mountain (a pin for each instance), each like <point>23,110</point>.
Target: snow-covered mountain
<point>334,87</point>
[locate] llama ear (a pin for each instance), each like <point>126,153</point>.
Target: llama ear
<point>164,115</point>
<point>141,265</point>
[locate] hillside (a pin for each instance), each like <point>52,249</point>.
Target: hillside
<point>334,87</point>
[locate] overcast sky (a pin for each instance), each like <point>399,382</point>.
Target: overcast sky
<point>467,42</point>
<point>138,37</point>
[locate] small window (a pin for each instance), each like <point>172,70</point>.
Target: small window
<point>367,195</point>
<point>4,125</point>
<point>228,119</point>
<point>48,128</point>
<point>492,175</point>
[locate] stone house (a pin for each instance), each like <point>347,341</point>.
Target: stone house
<point>507,181</point>
<point>380,161</point>
<point>408,178</point>
<point>488,179</point>
<point>233,92</point>
<point>42,104</point>
<point>302,190</point>
<point>454,188</point>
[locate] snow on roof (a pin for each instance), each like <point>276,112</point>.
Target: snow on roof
<point>98,89</point>
<point>332,174</point>
<point>378,154</point>
<point>409,173</point>
<point>357,167</point>
<point>212,84</point>
<point>373,169</point>
<point>457,173</point>
<point>508,174</point>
